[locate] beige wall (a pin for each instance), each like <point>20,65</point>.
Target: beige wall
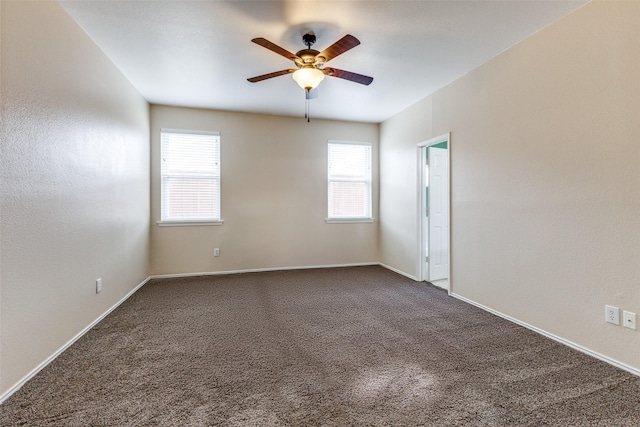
<point>398,181</point>
<point>75,184</point>
<point>545,156</point>
<point>274,196</point>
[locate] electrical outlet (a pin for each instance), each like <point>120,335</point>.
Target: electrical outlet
<point>628,319</point>
<point>216,252</point>
<point>98,286</point>
<point>612,314</point>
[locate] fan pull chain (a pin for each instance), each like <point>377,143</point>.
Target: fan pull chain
<point>306,106</point>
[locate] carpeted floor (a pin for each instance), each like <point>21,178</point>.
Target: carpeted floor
<point>358,346</point>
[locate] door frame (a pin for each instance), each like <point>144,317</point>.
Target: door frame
<point>420,198</point>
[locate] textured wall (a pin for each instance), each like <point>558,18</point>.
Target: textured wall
<point>273,196</point>
<point>544,170</point>
<point>75,184</point>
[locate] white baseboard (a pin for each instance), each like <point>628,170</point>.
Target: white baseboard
<point>568,343</point>
<point>57,353</point>
<point>395,270</point>
<point>259,270</point>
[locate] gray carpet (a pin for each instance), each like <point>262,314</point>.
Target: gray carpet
<point>358,346</point>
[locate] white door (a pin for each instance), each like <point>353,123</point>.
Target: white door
<point>438,213</point>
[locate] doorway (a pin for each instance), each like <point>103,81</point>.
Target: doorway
<point>433,259</point>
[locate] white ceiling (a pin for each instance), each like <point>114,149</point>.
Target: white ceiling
<point>199,53</point>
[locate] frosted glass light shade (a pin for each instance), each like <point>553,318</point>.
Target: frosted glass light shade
<point>308,78</point>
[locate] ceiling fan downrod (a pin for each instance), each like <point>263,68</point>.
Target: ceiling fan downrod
<point>309,39</point>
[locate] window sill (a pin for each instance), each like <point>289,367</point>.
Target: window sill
<point>187,223</point>
<point>347,220</point>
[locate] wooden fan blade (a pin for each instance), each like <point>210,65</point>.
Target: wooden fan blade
<point>339,47</point>
<point>274,48</point>
<point>348,75</point>
<point>270,75</point>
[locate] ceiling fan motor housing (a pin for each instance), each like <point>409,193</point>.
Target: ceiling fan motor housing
<point>308,57</point>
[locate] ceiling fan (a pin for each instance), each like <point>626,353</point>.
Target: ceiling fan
<point>310,63</point>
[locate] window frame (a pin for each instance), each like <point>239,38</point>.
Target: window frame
<point>368,217</point>
<point>200,221</point>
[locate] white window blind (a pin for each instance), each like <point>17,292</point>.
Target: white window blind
<point>190,176</point>
<point>349,180</point>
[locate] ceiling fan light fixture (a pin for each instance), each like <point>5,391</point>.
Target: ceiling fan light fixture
<point>308,77</point>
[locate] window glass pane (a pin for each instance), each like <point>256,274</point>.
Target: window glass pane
<point>349,161</point>
<point>191,198</point>
<point>347,199</point>
<point>349,180</point>
<point>190,176</point>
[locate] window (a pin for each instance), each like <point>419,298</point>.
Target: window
<point>190,177</point>
<point>349,181</point>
